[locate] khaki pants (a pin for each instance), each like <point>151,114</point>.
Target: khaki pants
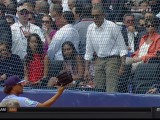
<point>107,74</point>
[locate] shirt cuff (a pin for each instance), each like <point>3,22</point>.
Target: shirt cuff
<point>123,52</point>
<point>88,57</point>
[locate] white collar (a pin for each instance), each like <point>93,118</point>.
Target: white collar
<point>20,25</point>
<point>101,27</point>
<point>67,26</point>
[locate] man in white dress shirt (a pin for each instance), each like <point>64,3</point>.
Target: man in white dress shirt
<point>105,39</point>
<point>66,33</point>
<point>21,30</point>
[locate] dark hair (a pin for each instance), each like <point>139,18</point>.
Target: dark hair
<point>99,7</point>
<point>69,16</point>
<point>15,2</point>
<point>78,6</point>
<point>128,14</point>
<point>57,8</point>
<point>21,2</point>
<point>33,15</point>
<point>53,25</point>
<point>11,9</point>
<point>153,21</point>
<point>141,18</point>
<point>71,59</point>
<point>74,52</point>
<point>3,42</point>
<point>7,90</point>
<point>45,7</point>
<point>46,15</point>
<point>78,10</point>
<point>86,8</point>
<point>39,49</point>
<point>2,8</point>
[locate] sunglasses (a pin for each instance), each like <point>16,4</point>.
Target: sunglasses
<point>96,16</point>
<point>67,49</point>
<point>148,26</point>
<point>24,12</point>
<point>47,22</point>
<point>142,25</point>
<point>10,23</point>
<point>29,19</point>
<point>130,21</point>
<point>3,50</point>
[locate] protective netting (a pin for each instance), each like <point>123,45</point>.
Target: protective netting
<point>107,45</point>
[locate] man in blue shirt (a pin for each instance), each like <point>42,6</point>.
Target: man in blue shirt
<point>14,87</point>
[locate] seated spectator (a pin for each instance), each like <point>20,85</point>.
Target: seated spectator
<point>31,18</point>
<point>66,33</point>
<point>5,30</point>
<point>56,14</point>
<point>29,3</point>
<point>7,2</point>
<point>129,32</point>
<point>21,31</point>
<point>10,64</point>
<point>155,6</point>
<point>148,47</point>
<point>148,15</point>
<point>72,62</point>
<point>12,10</point>
<point>36,62</point>
<point>141,25</point>
<point>41,8</point>
<point>77,14</point>
<point>10,19</point>
<point>48,30</point>
<point>144,6</point>
<point>79,8</point>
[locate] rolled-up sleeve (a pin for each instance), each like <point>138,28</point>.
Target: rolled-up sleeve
<point>52,48</point>
<point>120,41</point>
<point>89,45</point>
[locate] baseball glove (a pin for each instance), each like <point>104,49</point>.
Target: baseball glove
<point>64,78</point>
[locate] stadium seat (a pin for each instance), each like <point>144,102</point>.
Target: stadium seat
<point>144,77</point>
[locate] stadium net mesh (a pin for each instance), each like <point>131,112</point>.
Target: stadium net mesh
<point>107,45</point>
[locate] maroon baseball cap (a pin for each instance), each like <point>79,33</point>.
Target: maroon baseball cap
<point>12,81</point>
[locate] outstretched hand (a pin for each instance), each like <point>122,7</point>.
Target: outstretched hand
<point>60,89</point>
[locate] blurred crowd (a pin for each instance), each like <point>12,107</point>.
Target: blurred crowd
<point>96,40</point>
